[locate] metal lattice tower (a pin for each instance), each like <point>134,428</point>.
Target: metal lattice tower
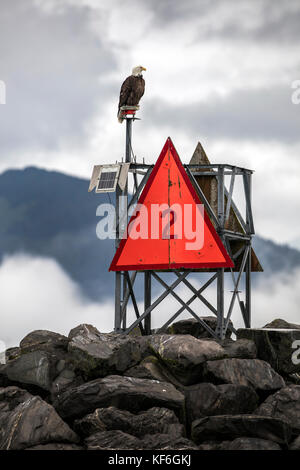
<point>235,231</point>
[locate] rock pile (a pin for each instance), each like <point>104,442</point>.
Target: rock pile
<point>177,390</point>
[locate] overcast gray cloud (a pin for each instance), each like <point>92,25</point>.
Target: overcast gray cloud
<point>264,114</point>
<point>51,64</point>
<point>217,71</point>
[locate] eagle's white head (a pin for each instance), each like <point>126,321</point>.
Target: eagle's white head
<point>136,71</point>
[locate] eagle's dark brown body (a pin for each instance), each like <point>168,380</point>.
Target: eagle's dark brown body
<point>132,90</point>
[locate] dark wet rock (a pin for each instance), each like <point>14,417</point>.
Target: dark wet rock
<point>295,444</point>
<point>251,372</point>
<point>282,324</point>
<point>185,355</point>
<point>206,399</point>
<point>144,345</point>
<point>26,421</point>
<point>293,379</point>
<point>64,380</point>
<point>152,368</point>
<point>4,381</point>
<point>275,346</point>
<point>41,358</point>
<point>92,423</point>
<point>11,397</point>
<point>122,392</point>
<point>56,446</point>
<point>252,443</point>
<point>241,348</point>
<point>96,354</point>
<point>153,421</point>
<point>149,368</point>
<point>12,353</point>
<point>240,443</point>
<point>213,445</point>
<point>44,340</point>
<point>35,368</point>
<point>167,442</point>
<point>192,327</point>
<point>229,427</point>
<point>284,404</point>
<point>113,440</point>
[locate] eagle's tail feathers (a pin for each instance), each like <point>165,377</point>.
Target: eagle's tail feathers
<point>120,116</point>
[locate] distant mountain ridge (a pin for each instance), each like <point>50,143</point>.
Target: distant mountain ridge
<point>48,213</point>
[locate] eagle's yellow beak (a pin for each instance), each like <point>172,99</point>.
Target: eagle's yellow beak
<point>143,68</point>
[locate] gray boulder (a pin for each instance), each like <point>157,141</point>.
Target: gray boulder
<point>153,421</point>
<point>26,421</point>
<point>35,368</point>
<point>152,368</point>
<point>295,445</point>
<point>185,355</point>
<point>96,354</point>
<point>122,392</point>
<point>284,404</point>
<point>240,443</point>
<point>44,340</point>
<point>206,399</point>
<point>41,360</point>
<point>282,324</point>
<point>113,440</point>
<point>229,427</point>
<point>214,445</point>
<point>12,353</point>
<point>191,326</point>
<point>241,348</point>
<point>251,372</point>
<point>167,442</point>
<point>56,446</point>
<point>275,347</point>
<point>252,443</point>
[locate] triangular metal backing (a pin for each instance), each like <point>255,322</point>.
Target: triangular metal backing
<point>169,184</point>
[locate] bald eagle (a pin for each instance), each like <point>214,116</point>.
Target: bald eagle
<point>132,89</point>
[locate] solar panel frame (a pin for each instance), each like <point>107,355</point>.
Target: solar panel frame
<point>108,179</point>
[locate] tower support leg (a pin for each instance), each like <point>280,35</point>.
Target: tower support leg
<point>248,289</point>
<point>220,304</point>
<point>147,301</point>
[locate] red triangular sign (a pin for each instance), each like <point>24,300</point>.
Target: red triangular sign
<point>159,248</point>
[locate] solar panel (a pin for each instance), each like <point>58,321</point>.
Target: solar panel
<point>108,178</point>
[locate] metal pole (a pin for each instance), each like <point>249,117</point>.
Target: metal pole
<point>147,301</point>
<point>220,280</point>
<point>125,204</point>
<point>248,264</point>
<point>128,138</point>
<point>120,291</point>
<point>118,275</point>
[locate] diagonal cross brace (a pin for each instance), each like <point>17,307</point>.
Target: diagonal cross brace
<point>157,301</point>
<point>194,297</point>
<point>200,297</point>
<point>163,283</point>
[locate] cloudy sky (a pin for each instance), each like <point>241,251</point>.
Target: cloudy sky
<point>218,71</point>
